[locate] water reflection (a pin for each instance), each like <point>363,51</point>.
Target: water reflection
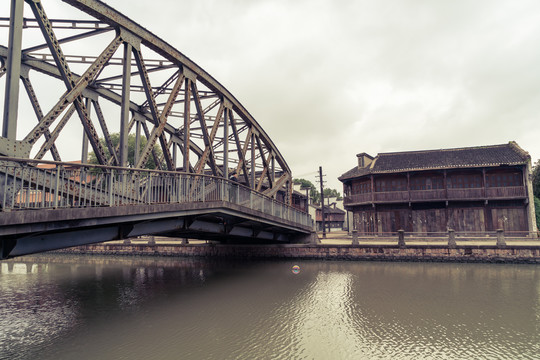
<point>65,307</point>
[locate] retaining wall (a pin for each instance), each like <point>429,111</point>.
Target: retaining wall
<point>481,253</point>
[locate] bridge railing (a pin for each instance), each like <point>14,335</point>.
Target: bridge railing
<point>32,184</point>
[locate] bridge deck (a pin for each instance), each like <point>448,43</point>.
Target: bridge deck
<point>53,208</point>
<point>43,230</point>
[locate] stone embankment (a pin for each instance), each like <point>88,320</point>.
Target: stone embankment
<point>330,249</point>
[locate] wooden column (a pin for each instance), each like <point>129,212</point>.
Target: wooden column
<point>409,187</point>
<point>445,186</point>
<point>372,189</point>
<point>484,182</point>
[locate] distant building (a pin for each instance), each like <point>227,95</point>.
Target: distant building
<point>334,218</point>
<point>473,189</point>
<point>333,215</point>
<point>299,200</point>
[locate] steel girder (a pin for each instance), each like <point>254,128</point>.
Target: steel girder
<point>111,75</point>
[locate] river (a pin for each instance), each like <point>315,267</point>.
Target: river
<point>85,307</point>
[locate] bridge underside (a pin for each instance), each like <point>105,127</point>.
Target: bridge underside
<point>27,232</point>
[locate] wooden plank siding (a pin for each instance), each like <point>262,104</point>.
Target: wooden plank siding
<point>466,219</point>
<point>510,219</point>
<point>429,221</point>
<point>364,221</point>
<point>461,217</point>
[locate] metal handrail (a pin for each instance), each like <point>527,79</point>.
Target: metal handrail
<point>27,184</point>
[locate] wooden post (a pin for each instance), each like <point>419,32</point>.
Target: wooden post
<point>484,190</point>
<point>372,189</point>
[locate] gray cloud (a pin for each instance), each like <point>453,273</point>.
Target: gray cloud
<point>329,79</point>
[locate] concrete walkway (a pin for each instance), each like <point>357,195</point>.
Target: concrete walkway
<point>342,238</point>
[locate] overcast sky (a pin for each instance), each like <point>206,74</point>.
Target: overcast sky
<point>328,79</point>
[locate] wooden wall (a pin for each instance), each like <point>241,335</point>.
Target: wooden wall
<point>428,220</point>
<point>364,220</point>
<point>509,219</point>
<point>469,219</point>
<point>462,217</point>
<point>389,221</point>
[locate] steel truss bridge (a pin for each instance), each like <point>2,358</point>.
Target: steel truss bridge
<point>104,87</point>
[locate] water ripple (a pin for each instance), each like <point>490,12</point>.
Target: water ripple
<point>139,309</point>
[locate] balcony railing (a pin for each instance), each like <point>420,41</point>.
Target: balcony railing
<point>490,193</point>
<point>510,192</point>
<point>392,196</point>
<point>458,194</point>
<point>434,194</point>
<point>357,199</point>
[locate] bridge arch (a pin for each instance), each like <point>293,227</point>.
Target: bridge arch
<point>105,73</point>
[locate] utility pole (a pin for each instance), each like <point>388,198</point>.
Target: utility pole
<point>322,202</point>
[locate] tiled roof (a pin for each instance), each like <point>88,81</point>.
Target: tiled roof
<point>332,210</point>
<point>479,156</point>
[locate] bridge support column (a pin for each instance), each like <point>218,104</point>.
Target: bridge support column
<point>226,143</point>
<point>253,169</point>
<point>5,247</point>
<point>85,141</point>
<point>124,111</point>
<point>11,99</point>
<point>311,238</point>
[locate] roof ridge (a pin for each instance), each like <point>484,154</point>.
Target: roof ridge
<point>519,150</point>
<point>447,150</point>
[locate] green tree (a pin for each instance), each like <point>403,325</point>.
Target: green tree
<point>314,195</point>
<point>536,179</point>
<point>537,210</point>
<point>115,139</point>
<point>328,193</point>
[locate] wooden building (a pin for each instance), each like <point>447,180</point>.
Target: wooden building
<point>334,218</point>
<point>299,201</point>
<point>474,189</point>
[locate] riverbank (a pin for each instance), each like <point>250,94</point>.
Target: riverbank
<point>329,249</point>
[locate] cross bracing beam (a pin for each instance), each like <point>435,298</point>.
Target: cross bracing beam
<point>185,124</point>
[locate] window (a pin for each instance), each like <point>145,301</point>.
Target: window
<point>390,184</point>
<point>362,188</point>
<point>504,179</point>
<point>426,182</point>
<point>465,181</point>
